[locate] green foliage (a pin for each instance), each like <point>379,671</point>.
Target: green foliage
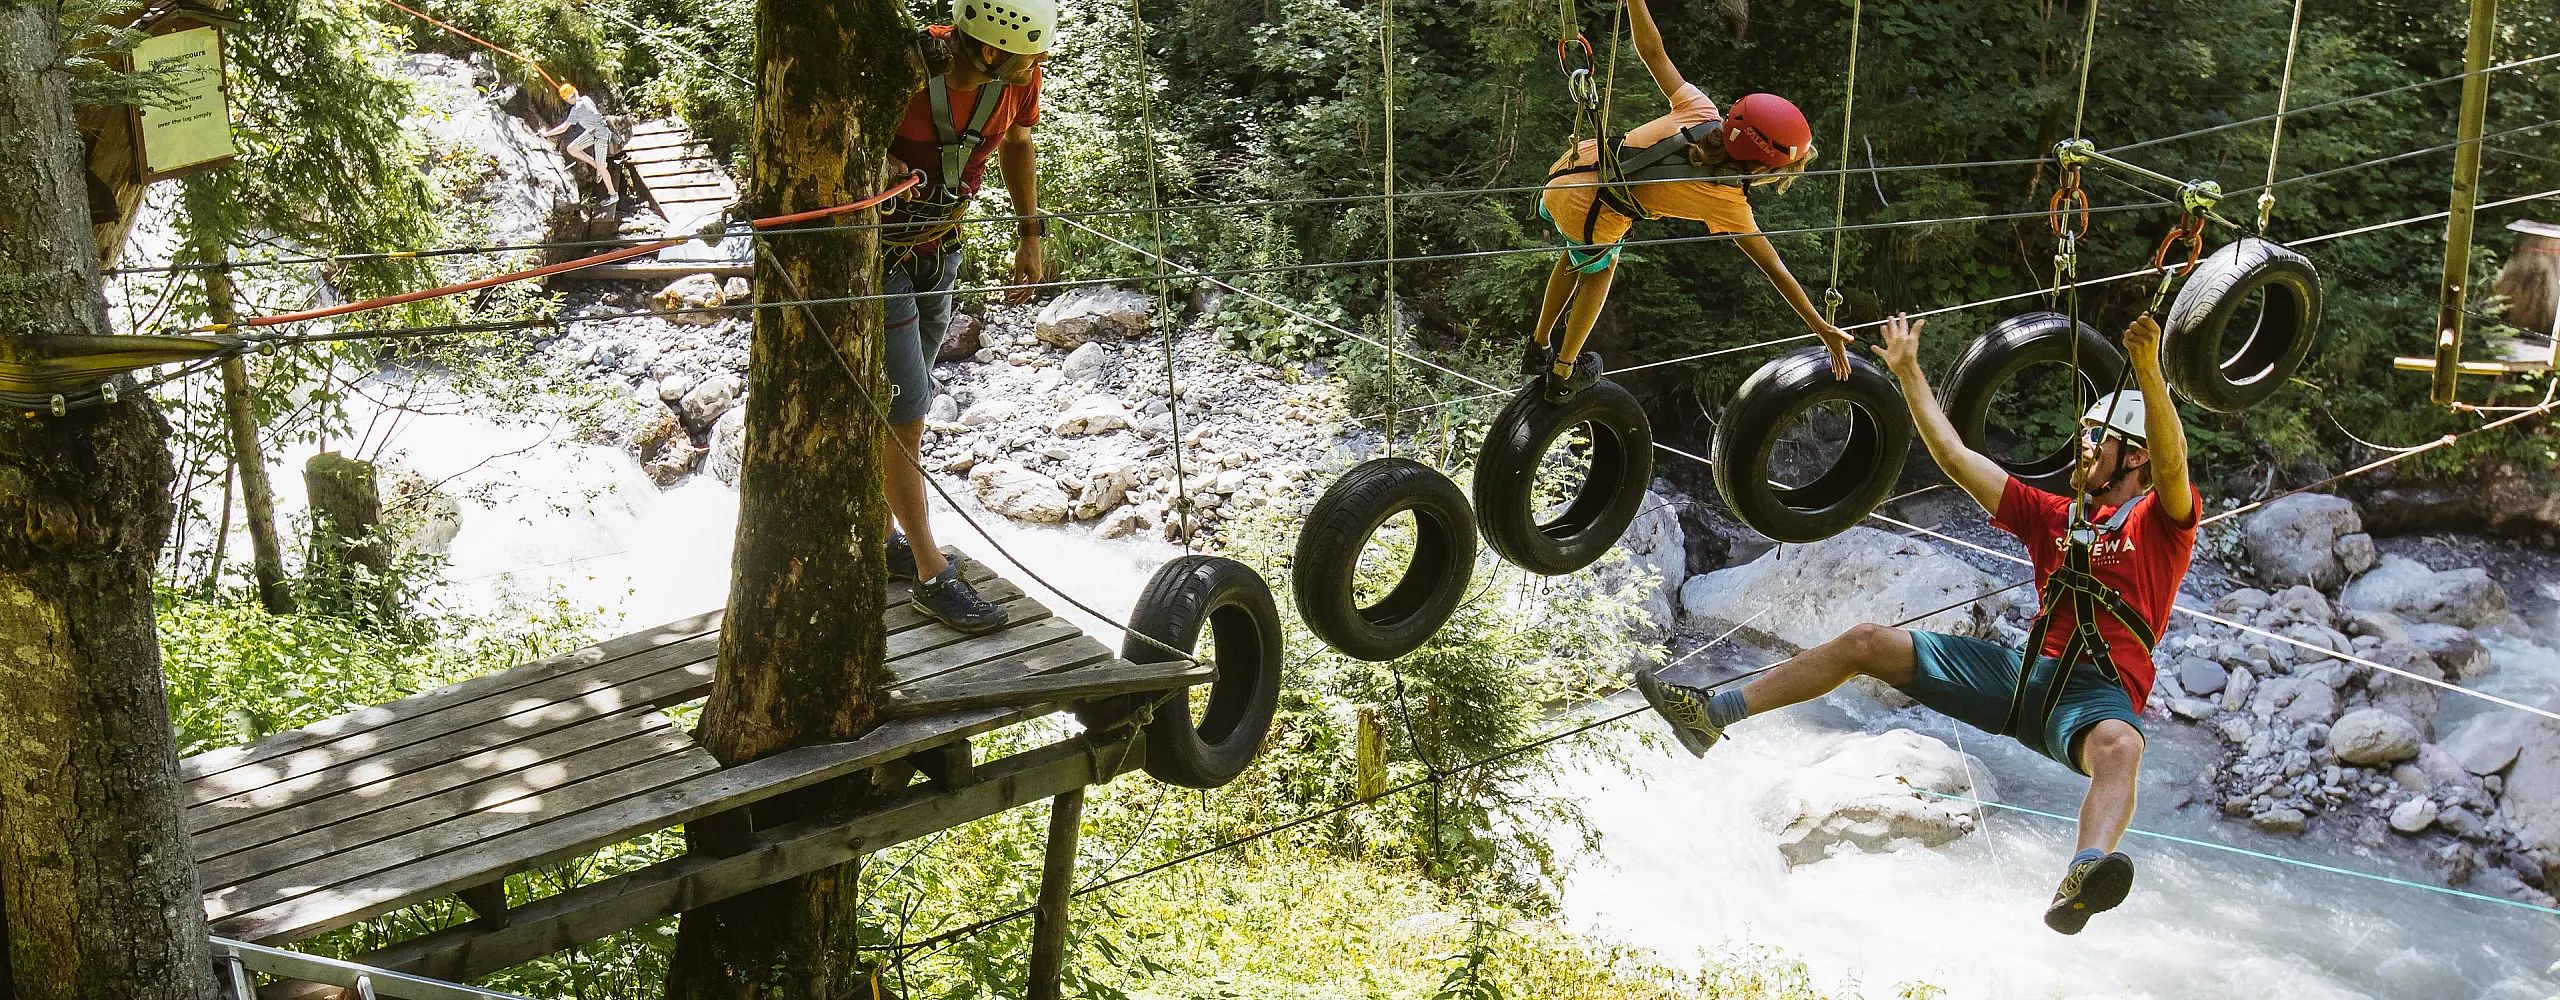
<point>97,45</point>
<point>237,673</point>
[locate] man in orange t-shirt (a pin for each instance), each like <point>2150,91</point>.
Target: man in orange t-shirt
<point>1765,140</point>
<point>984,99</point>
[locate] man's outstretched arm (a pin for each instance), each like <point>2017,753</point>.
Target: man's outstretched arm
<point>2163,435</point>
<point>1981,477</point>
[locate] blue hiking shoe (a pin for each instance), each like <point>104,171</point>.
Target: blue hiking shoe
<point>2090,888</point>
<point>1685,708</point>
<point>902,558</point>
<point>951,601</point>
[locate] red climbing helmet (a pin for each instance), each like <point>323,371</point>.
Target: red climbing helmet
<point>1765,129</point>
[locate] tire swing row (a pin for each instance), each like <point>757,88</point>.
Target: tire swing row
<point>2243,322</point>
<point>1610,433</point>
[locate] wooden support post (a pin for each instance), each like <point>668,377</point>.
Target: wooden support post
<point>488,900</point>
<point>1057,883</point>
<point>723,834</point>
<point>2455,286</point>
<point>948,766</point>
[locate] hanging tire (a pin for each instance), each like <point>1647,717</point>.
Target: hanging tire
<point>1621,454</point>
<point>1186,595</point>
<point>2220,353</point>
<point>1435,578</point>
<point>1995,359</point>
<point>1870,461</point>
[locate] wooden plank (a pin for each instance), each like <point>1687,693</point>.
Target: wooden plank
<point>660,676</point>
<point>593,911</point>
<point>441,868</point>
<point>274,842</point>
<point>315,887</point>
<point>1081,684</point>
<point>1057,882</point>
<point>942,650</point>
<point>486,685</point>
<point>1077,652</point>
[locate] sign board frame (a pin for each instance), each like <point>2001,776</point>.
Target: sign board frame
<point>176,24</point>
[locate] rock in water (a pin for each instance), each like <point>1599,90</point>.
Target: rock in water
<point>1849,801</point>
<point>2294,540</point>
<point>2488,742</point>
<point>2284,820</point>
<point>1806,594</point>
<point>2368,737</point>
<point>1092,313</point>
<point>519,178</point>
<point>1019,493</point>
<point>2414,815</point>
<point>2407,588</point>
<point>704,404</point>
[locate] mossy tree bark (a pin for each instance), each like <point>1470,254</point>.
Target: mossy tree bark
<point>802,654</point>
<point>98,895</point>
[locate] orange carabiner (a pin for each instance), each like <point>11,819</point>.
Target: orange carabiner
<point>2190,230</point>
<point>2068,197</point>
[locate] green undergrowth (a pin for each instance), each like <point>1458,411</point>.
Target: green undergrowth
<point>237,673</point>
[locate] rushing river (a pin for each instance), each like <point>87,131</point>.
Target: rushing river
<point>1687,867</point>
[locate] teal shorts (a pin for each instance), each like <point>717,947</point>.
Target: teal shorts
<point>1971,681</point>
<point>1586,260</point>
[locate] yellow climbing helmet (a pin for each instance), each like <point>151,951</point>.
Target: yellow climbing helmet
<point>1022,27</point>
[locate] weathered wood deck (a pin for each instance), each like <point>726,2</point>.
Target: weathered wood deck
<point>451,790</point>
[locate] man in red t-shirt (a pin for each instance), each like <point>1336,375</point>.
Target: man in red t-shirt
<point>984,98</point>
<point>2139,532</point>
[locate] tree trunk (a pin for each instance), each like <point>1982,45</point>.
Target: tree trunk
<point>99,895</point>
<point>802,654</point>
<point>346,511</point>
<point>265,553</point>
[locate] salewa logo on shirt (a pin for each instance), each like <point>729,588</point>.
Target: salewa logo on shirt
<point>2105,547</point>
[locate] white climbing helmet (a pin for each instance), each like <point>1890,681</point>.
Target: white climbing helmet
<point>2127,418</point>
<point>1022,27</point>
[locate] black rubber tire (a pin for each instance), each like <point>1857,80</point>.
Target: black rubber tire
<point>1879,439</point>
<point>2194,348</point>
<point>1186,594</point>
<point>1993,360</point>
<point>1344,519</point>
<point>1507,473</point>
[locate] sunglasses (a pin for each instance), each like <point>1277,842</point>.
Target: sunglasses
<point>2096,435</point>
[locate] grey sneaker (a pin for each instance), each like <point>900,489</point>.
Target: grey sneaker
<point>2090,888</point>
<point>1685,708</point>
<point>950,600</point>
<point>902,559</point>
<point>1586,373</point>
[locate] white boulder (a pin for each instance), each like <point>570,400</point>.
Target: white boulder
<point>1019,493</point>
<point>2370,736</point>
<point>2407,588</point>
<point>1804,595</point>
<point>1849,801</point>
<point>1092,313</point>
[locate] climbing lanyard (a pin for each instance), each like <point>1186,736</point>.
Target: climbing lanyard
<point>939,209</point>
<point>2076,577</point>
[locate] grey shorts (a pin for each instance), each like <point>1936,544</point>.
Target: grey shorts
<point>1971,681</point>
<point>916,321</point>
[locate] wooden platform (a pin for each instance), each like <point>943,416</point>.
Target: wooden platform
<point>686,185</point>
<point>453,789</point>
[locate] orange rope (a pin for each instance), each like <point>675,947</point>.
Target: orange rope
<point>484,43</point>
<point>606,257</point>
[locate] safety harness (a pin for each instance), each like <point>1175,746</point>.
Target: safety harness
<point>2076,579</point>
<point>935,212</point>
<point>1619,168</point>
